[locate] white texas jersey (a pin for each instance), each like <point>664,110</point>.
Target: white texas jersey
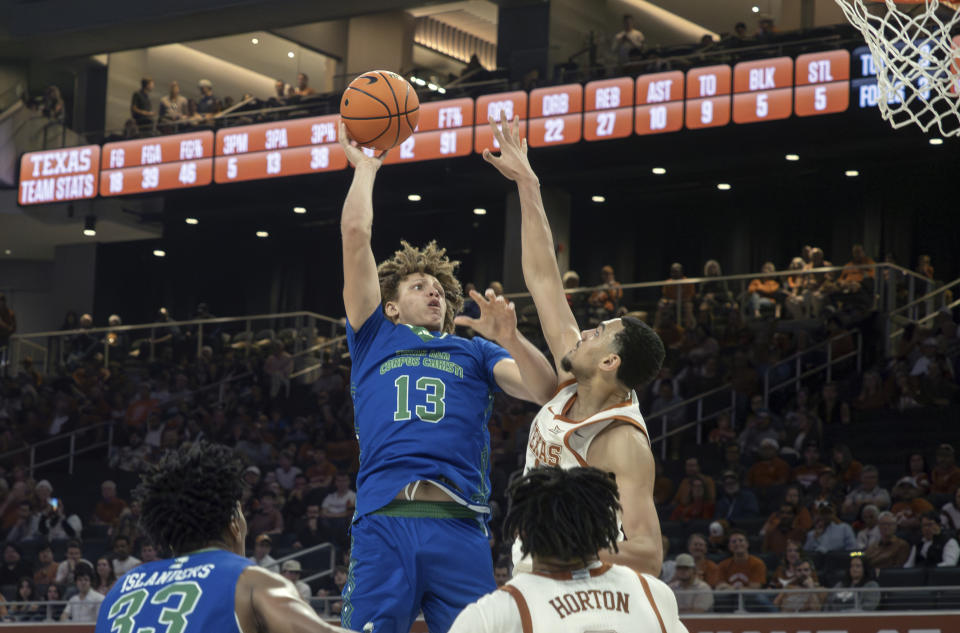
<point>556,440</point>
<point>604,599</point>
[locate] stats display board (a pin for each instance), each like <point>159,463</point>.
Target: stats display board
<point>445,129</point>
<point>277,149</point>
<point>59,175</point>
<point>712,96</point>
<point>156,164</point>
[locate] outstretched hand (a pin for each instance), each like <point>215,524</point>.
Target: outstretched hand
<point>354,153</point>
<point>498,317</point>
<point>512,161</point>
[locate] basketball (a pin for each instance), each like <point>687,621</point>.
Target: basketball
<point>380,109</point>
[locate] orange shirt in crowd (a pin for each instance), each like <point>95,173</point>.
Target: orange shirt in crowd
<point>768,472</point>
<point>710,488</point>
<point>138,411</point>
<point>849,273</point>
<point>767,287</point>
<point>945,480</point>
<point>677,292</point>
<point>752,571</point>
<point>109,511</point>
<point>912,509</point>
<point>708,571</point>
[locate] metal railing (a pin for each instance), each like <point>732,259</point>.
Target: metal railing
<point>51,345</point>
<point>70,456</point>
<point>910,312</point>
<point>797,360</point>
<point>884,293</point>
<point>698,402</point>
<point>903,598</point>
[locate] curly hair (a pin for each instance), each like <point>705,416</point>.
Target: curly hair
<point>564,513</point>
<point>432,260</point>
<point>189,498</point>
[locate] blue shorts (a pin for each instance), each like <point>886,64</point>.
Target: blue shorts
<point>401,565</point>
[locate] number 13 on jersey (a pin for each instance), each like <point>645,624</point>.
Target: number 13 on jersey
<point>433,391</point>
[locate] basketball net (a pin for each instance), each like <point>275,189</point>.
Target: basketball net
<point>916,59</point>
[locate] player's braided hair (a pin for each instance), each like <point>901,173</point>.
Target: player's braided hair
<point>432,260</point>
<point>567,514</point>
<point>189,498</point>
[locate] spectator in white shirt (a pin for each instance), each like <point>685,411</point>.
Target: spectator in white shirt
<point>291,571</point>
<point>337,509</point>
<point>122,560</point>
<point>628,42</point>
<point>286,472</point>
<point>83,607</point>
<point>261,553</point>
<point>935,549</point>
<point>929,349</point>
<point>870,533</point>
<point>68,568</point>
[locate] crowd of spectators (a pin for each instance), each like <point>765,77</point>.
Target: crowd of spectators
<point>767,479</point>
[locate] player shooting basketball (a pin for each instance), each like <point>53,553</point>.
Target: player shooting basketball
<point>422,398</point>
<point>595,418</point>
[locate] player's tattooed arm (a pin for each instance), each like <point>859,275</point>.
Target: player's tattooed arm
<point>361,286</point>
<point>527,374</point>
<point>540,270</point>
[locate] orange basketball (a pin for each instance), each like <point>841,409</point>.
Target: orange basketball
<point>380,109</point>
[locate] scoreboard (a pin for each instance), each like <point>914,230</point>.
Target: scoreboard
<point>156,164</point>
<point>712,96</point>
<point>276,149</point>
<point>59,175</point>
<point>445,129</point>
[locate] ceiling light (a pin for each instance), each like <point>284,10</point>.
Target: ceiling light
<point>598,199</point>
<point>479,211</point>
<point>159,253</point>
<point>90,225</point>
<point>755,9</point>
<point>192,221</point>
<point>7,252</point>
<point>441,90</point>
<point>419,82</point>
<point>723,186</point>
<point>262,234</point>
<point>936,141</point>
<point>290,54</point>
<point>851,173</point>
<point>792,157</point>
<point>659,171</point>
<point>300,210</point>
<point>414,197</point>
<point>255,41</point>
<point>432,86</point>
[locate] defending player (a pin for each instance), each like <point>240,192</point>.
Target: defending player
<point>422,398</point>
<point>191,504</point>
<point>595,418</point>
<point>565,517</point>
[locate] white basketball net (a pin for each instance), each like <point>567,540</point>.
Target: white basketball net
<point>916,60</point>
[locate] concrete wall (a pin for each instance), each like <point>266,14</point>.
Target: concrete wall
<point>383,41</point>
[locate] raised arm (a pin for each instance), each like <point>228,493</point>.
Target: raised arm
<point>540,270</point>
<point>361,286</point>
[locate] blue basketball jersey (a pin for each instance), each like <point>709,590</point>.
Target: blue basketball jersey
<point>421,405</point>
<point>193,593</point>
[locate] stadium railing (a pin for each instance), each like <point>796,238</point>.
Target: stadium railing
<point>812,352</point>
<point>49,350</point>
<point>928,304</point>
<point>78,442</point>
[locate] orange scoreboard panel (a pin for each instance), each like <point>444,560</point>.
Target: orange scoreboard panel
<point>555,115</point>
<point>608,111</point>
<point>822,83</point>
<point>508,104</point>
<point>59,175</point>
<point>156,164</point>
<point>277,149</point>
<point>445,129</point>
<point>659,102</point>
<point>763,90</point>
<point>708,96</point>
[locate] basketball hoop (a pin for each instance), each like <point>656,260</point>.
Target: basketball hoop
<point>916,59</point>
